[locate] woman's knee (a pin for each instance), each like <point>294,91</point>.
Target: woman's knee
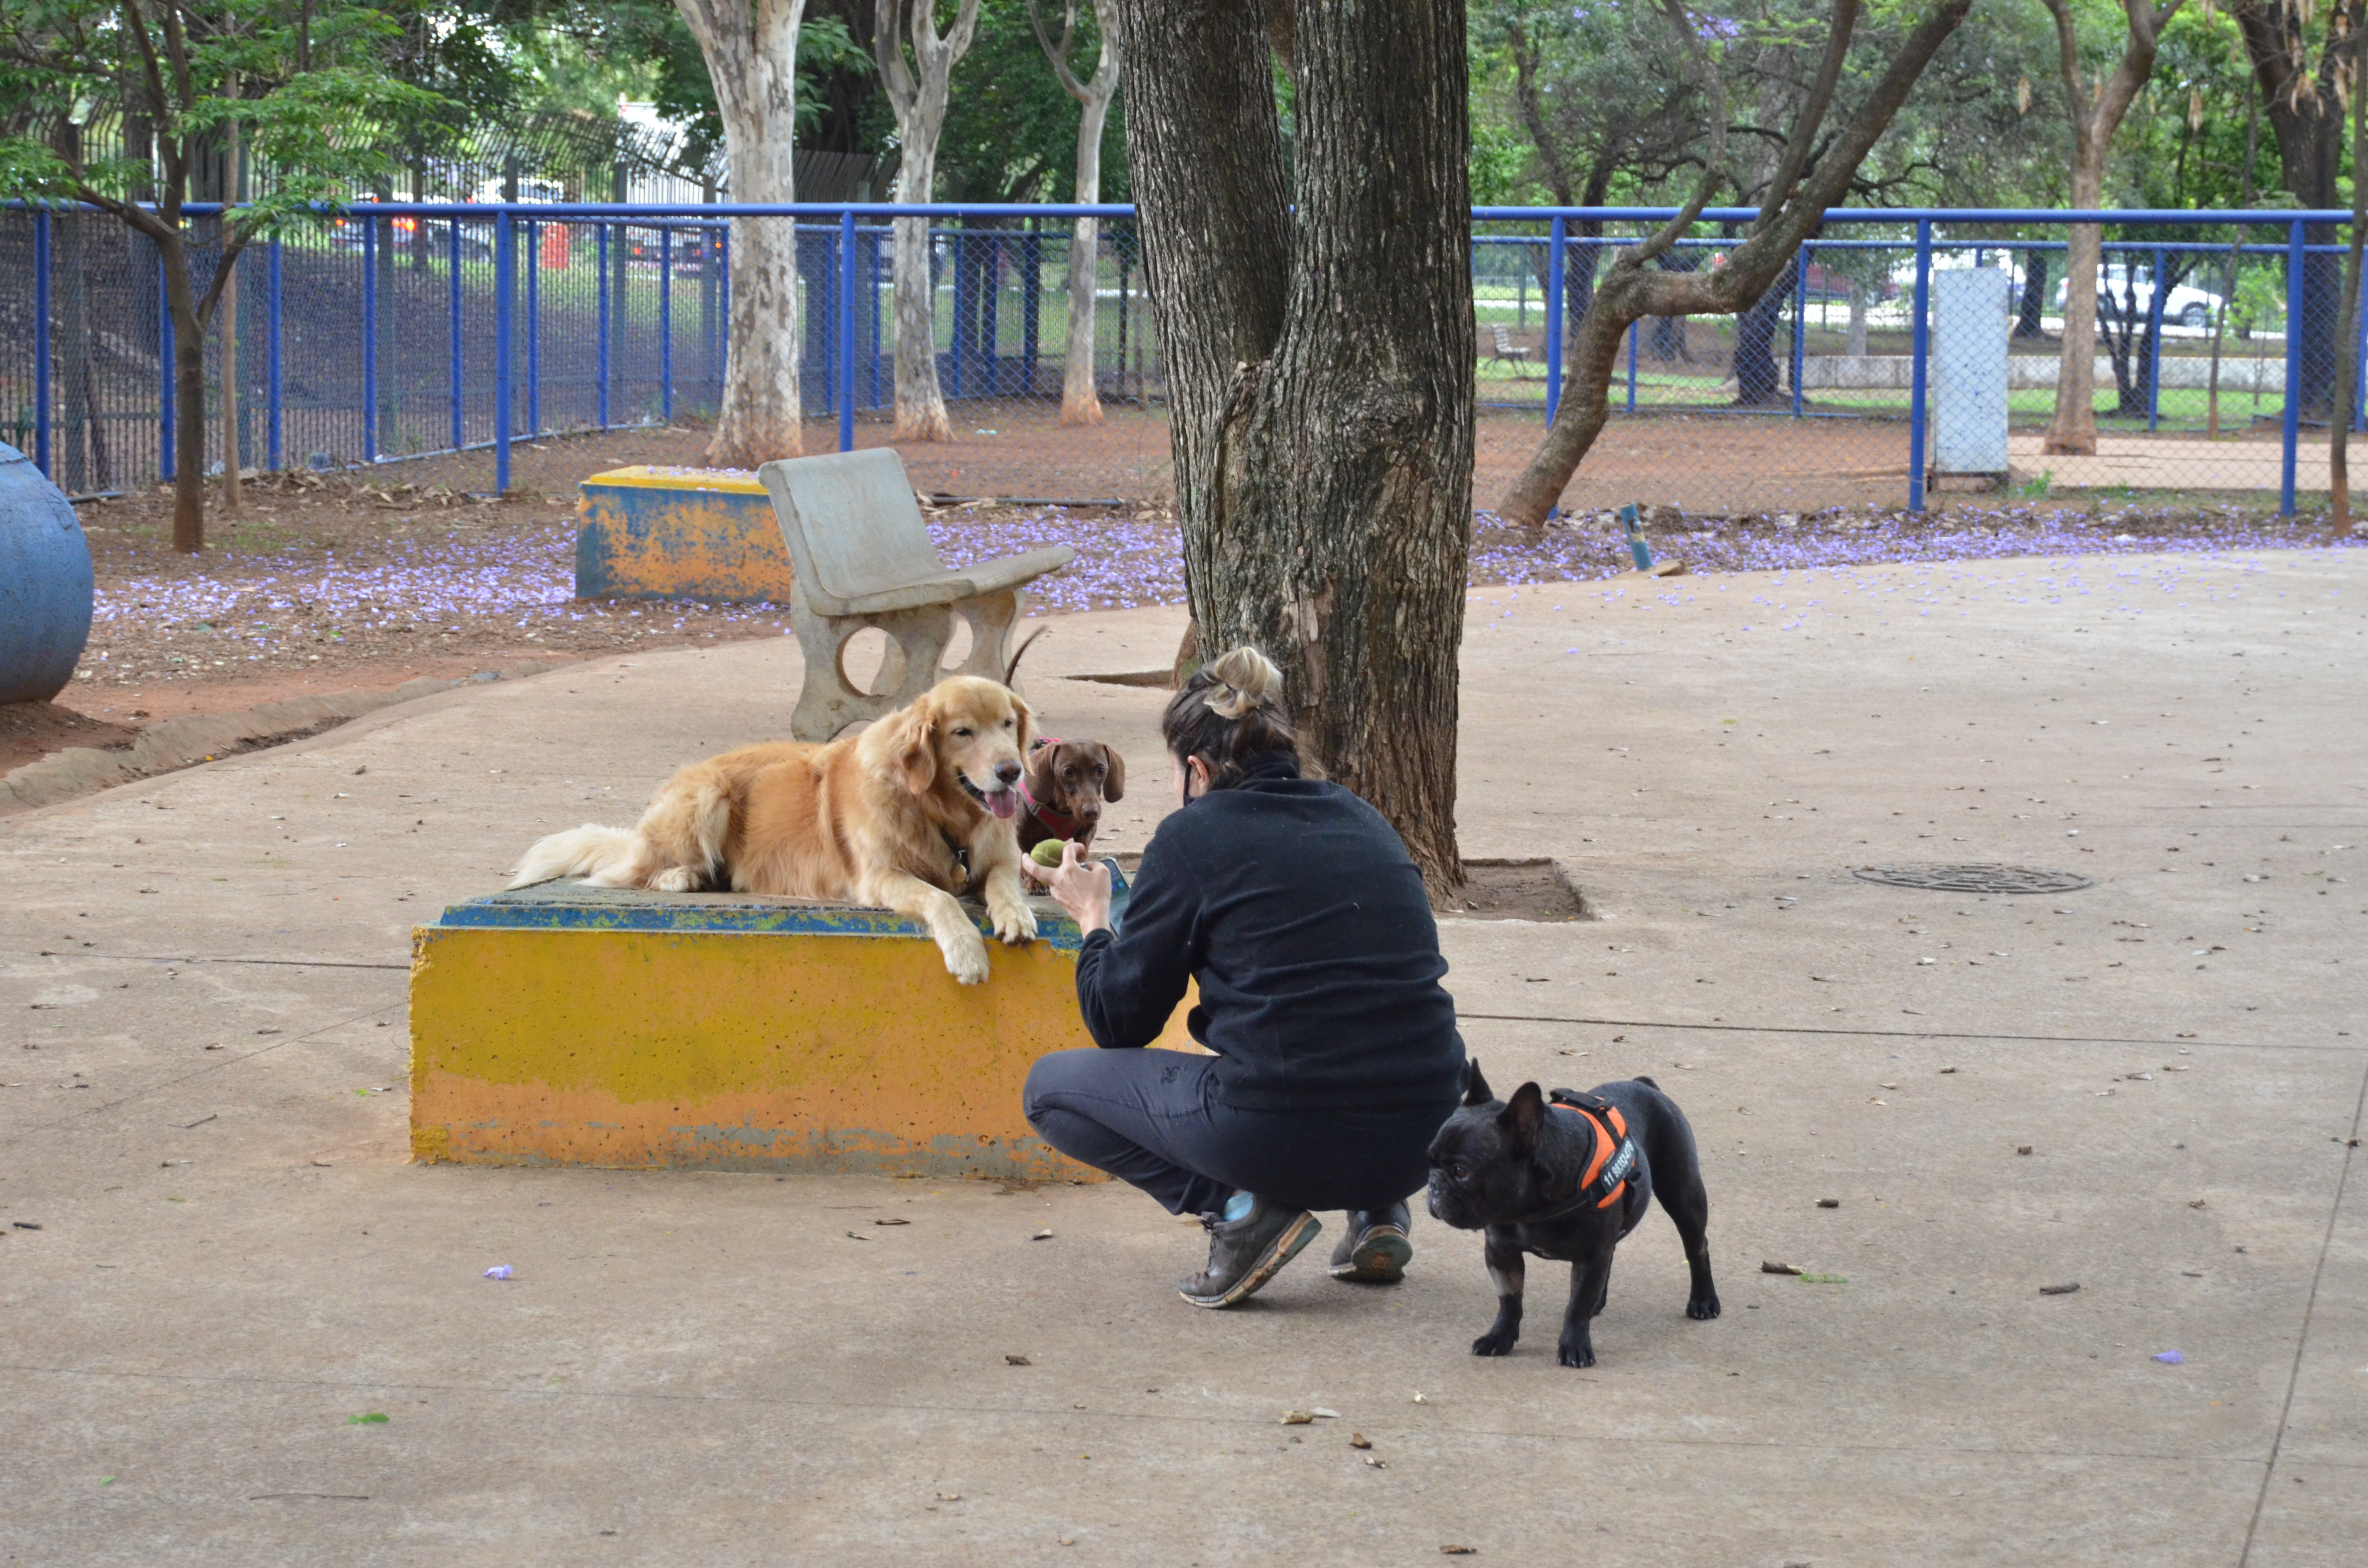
<point>1052,1076</point>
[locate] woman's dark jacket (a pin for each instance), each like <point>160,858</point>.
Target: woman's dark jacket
<point>1301,913</point>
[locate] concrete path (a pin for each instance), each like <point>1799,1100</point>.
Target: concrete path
<point>204,979</point>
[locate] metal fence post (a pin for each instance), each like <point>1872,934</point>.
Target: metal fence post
<point>165,466</point>
<point>370,342</point>
<point>2292,432</point>
<point>665,324</point>
<point>874,294</point>
<point>1554,318</point>
<point>2154,346</point>
<point>601,351</point>
<point>847,330</point>
<point>505,290</point>
<point>533,328</point>
<point>1800,321</point>
<point>459,436</point>
<point>1920,366</point>
<point>41,342</point>
<point>275,358</point>
<point>2359,370</point>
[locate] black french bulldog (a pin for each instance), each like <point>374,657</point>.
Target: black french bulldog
<point>1568,1180</point>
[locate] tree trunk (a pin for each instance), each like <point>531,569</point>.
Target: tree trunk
<point>2074,429</point>
<point>2347,395</point>
<point>1859,289</point>
<point>920,402</point>
<point>1320,359</point>
<point>916,89</point>
<point>189,398</point>
<point>1081,401</point>
<point>2028,322</point>
<point>1756,382</point>
<point>752,53</point>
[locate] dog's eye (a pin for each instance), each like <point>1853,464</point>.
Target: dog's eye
<point>1460,1171</point>
<point>962,734</point>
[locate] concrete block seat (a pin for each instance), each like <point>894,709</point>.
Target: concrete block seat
<point>862,558</point>
<point>573,1025</point>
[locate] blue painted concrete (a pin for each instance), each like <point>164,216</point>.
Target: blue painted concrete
<point>45,584</point>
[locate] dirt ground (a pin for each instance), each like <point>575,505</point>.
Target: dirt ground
<point>363,580</point>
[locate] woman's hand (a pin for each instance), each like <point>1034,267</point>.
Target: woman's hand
<point>1081,887</point>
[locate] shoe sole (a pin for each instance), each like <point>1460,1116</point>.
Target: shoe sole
<point>1285,1247</point>
<point>1379,1257</point>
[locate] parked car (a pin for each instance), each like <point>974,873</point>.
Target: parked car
<point>401,233</point>
<point>686,249</point>
<point>2121,287</point>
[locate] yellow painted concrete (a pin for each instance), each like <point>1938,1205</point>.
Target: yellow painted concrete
<point>734,1050</point>
<point>706,534</point>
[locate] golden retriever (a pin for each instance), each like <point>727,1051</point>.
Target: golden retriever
<point>886,817</point>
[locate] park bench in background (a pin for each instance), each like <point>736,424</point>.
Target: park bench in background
<point>1511,352</point>
<point>861,557</point>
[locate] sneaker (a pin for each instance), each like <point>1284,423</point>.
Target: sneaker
<point>1244,1253</point>
<point>1375,1251</point>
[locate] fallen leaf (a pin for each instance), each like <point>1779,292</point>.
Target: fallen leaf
<point>949,1496</point>
<point>1778,1268</point>
<point>1359,1441</point>
<point>1830,1202</point>
<point>1011,1360</point>
<point>2197,1204</point>
<point>892,1222</point>
<point>2063,1290</point>
<point>1297,1417</point>
<point>1377,1464</point>
<point>1323,1415</point>
<point>853,1237</point>
<point>2022,1148</point>
<point>1459,1550</point>
<point>1041,1236</point>
<point>368,1418</point>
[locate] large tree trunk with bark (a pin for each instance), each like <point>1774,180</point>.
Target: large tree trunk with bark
<point>1320,360</point>
<point>2074,428</point>
<point>188,397</point>
<point>917,87</point>
<point>752,56</point>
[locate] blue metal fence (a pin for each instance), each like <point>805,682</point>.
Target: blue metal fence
<point>398,330</point>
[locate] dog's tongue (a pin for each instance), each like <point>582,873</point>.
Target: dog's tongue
<point>1003,803</point>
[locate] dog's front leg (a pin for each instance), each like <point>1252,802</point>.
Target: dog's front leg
<point>1007,902</point>
<point>1591,1283</point>
<point>1505,1271</point>
<point>956,937</point>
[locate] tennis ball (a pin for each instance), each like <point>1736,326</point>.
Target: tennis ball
<point>1046,854</point>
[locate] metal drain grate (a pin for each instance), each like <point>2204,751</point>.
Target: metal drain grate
<point>1974,879</point>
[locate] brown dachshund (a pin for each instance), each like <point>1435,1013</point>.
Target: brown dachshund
<point>1062,793</point>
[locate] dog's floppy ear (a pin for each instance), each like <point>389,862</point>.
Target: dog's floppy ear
<point>913,744</point>
<point>1114,785</point>
<point>1027,722</point>
<point>1524,1118</point>
<point>1475,1087</point>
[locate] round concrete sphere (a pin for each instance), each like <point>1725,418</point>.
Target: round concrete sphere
<point>45,584</point>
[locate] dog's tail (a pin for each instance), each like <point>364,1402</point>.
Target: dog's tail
<point>588,851</point>
<point>1017,654</point>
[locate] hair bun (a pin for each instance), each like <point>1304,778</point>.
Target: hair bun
<point>1245,678</point>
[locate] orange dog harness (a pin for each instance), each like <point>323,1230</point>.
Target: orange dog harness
<point>1615,1160</point>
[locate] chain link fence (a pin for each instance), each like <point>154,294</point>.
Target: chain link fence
<point>1902,356</point>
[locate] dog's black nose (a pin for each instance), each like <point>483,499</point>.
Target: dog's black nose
<point>1008,772</point>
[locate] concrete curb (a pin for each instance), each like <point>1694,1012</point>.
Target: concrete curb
<point>209,737</point>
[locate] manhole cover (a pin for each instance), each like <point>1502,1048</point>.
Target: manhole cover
<point>1974,879</point>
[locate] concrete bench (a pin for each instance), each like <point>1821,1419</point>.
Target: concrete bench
<point>679,533</point>
<point>862,558</point>
<point>567,1025</point>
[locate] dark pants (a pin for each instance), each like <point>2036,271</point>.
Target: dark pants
<point>1153,1117</point>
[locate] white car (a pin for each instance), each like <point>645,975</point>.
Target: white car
<point>2121,287</point>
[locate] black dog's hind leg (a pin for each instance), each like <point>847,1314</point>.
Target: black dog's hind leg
<point>1689,1207</point>
<point>1590,1286</point>
<point>1505,1272</point>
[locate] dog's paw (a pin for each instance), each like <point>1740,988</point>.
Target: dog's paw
<point>1568,1354</point>
<point>1015,923</point>
<point>1494,1344</point>
<point>675,879</point>
<point>966,962</point>
<point>1704,1310</point>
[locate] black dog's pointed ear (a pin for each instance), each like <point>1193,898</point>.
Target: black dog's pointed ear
<point>1475,1087</point>
<point>1524,1118</point>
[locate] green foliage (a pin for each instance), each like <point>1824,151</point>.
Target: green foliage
<point>71,68</point>
<point>1011,127</point>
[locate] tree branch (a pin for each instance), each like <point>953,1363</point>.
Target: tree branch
<point>1813,113</point>
<point>1714,86</point>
